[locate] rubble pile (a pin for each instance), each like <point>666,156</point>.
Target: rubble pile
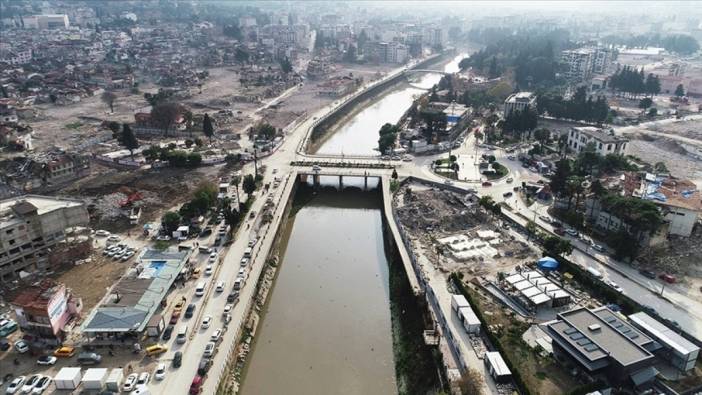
<point>433,210</point>
<point>681,256</point>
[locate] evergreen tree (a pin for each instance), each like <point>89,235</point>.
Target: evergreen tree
<point>129,140</point>
<point>680,91</point>
<point>207,128</point>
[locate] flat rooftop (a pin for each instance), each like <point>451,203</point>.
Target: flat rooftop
<point>664,334</point>
<point>600,134</point>
<point>44,204</point>
<point>594,337</point>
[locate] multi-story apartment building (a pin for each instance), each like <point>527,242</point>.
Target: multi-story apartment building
<point>29,226</point>
<point>584,62</point>
<point>519,102</point>
<point>49,21</point>
<point>603,142</point>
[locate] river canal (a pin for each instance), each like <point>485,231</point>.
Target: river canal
<point>327,328</point>
<point>359,135</point>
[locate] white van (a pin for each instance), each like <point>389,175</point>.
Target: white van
<point>182,334</point>
<point>594,272</point>
<point>200,289</point>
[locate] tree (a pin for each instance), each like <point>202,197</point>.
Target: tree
<point>652,112</point>
<point>170,222</point>
<point>265,130</point>
<point>164,115</point>
<point>560,178</point>
<point>471,382</point>
<point>660,167</point>
<point>542,135</point>
<point>645,103</point>
<point>114,127</point>
<point>531,228</point>
<point>394,174</point>
<point>554,245</point>
<point>109,99</point>
<point>388,135</point>
<point>249,184</point>
<point>207,128</point>
<point>680,91</point>
<point>129,140</point>
<point>194,159</point>
<point>231,217</point>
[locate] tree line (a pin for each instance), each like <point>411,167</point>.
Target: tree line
<point>635,83</point>
<point>580,107</point>
<point>683,44</point>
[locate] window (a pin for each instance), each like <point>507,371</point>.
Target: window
<point>9,231</point>
<point>609,147</point>
<point>600,145</point>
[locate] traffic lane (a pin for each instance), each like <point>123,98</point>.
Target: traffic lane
<point>679,312</point>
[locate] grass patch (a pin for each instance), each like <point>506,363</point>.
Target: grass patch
<point>500,171</point>
<point>73,125</point>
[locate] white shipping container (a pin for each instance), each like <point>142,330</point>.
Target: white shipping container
<point>458,301</point>
<point>67,378</point>
<point>114,380</point>
<point>95,378</point>
<point>470,321</point>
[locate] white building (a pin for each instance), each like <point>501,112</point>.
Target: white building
<point>49,21</point>
<point>436,37</point>
<point>584,62</point>
<point>679,200</point>
<point>604,143</point>
<point>519,101</point>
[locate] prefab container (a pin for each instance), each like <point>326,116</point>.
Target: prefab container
<point>155,326</point>
<point>497,367</point>
<point>94,378</point>
<point>470,321</point>
<point>114,380</point>
<point>458,301</point>
<point>67,378</point>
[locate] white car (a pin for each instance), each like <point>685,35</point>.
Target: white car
<point>46,360</point>
<point>213,257</point>
<point>597,247</point>
<point>160,372</point>
<point>216,335</point>
<point>16,385</point>
<point>448,182</point>
<point>143,378</point>
<point>206,322</point>
<point>227,308</point>
<point>253,242</point>
<point>208,270</point>
<point>130,382</point>
<point>21,347</point>
<point>102,233</point>
<point>244,262</point>
<point>209,349</point>
<point>615,286</point>
<point>114,239</point>
<point>220,287</point>
<point>41,385</point>
<point>29,384</point>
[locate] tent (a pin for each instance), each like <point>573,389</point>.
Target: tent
<point>547,263</point>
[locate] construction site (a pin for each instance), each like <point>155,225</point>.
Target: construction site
<point>456,234</point>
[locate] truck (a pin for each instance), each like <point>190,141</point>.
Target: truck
<point>181,233</point>
<point>94,379</point>
<point>470,321</point>
<point>114,380</point>
<point>458,301</point>
<point>155,326</point>
<point>68,378</point>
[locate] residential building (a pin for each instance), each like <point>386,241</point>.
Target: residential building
<point>605,143</point>
<point>672,347</point>
<point>679,200</point>
<point>15,58</point>
<point>599,342</point>
<point>48,21</point>
<point>30,226</point>
<point>519,102</point>
<point>132,302</point>
<point>435,37</point>
<point>579,63</point>
<point>45,309</point>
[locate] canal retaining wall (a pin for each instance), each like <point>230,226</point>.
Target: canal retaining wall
<point>322,125</point>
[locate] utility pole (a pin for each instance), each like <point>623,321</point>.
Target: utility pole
<point>255,162</point>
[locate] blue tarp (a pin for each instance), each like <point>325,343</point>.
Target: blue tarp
<point>547,263</point>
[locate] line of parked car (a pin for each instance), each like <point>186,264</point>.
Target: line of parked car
<point>119,252</point>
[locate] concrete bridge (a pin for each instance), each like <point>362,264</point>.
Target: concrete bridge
<point>410,71</point>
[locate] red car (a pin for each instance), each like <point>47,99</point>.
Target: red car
<point>174,318</point>
<point>196,385</point>
<point>559,231</point>
<point>487,184</point>
<point>669,278</point>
